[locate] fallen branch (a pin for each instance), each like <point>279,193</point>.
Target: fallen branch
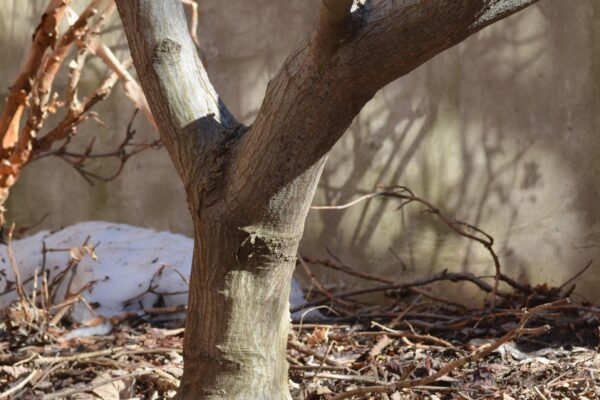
<point>13,390</point>
<point>464,229</point>
<point>443,276</point>
<point>413,336</point>
<point>519,330</point>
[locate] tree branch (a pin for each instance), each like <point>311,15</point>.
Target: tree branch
<point>499,9</point>
<point>44,37</point>
<point>397,37</point>
<point>312,100</point>
<point>188,111</point>
<point>309,104</point>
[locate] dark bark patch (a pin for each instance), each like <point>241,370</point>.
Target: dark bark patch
<point>263,249</point>
<point>167,52</point>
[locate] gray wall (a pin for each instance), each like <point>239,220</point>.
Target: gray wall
<point>500,131</point>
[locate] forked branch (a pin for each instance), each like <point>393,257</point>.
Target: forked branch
<point>316,94</point>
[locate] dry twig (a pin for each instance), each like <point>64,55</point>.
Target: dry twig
<point>32,98</point>
<point>519,330</point>
<point>464,229</point>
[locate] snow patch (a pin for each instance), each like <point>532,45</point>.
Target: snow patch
<point>128,260</point>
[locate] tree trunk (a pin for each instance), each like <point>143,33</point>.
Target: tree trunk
<point>237,326</point>
<point>249,189</point>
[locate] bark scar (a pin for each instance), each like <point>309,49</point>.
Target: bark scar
<point>167,51</point>
<point>262,246</point>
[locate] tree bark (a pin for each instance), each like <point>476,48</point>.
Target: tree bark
<point>249,188</point>
<point>237,323</point>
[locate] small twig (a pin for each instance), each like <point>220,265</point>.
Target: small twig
<point>23,297</point>
<point>407,196</point>
<point>344,268</point>
<point>152,286</point>
<point>45,374</point>
<point>352,203</point>
<point>314,280</point>
<point>115,352</point>
<point>443,276</point>
<point>347,378</point>
<point>537,390</point>
<point>324,358</point>
<point>22,230</point>
<point>19,386</point>
<point>413,336</point>
<point>425,293</point>
<point>519,330</point>
<point>307,350</point>
<point>192,6</point>
<point>122,153</point>
<point>577,275</point>
<point>296,366</point>
<point>401,316</point>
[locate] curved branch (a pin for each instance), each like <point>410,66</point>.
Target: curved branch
<point>313,99</point>
<point>189,113</point>
<point>397,37</point>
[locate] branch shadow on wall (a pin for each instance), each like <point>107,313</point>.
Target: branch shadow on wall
<point>476,132</point>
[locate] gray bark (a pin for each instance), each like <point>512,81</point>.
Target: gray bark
<point>249,188</point>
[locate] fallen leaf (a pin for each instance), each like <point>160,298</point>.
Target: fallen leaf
<point>111,390</point>
<point>15,372</point>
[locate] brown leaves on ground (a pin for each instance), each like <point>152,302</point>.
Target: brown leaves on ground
<point>328,360</point>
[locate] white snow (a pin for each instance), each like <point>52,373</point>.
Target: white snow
<point>128,258</point>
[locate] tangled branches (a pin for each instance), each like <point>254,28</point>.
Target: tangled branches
<point>464,229</point>
<point>33,97</point>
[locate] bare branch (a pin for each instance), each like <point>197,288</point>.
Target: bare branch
<point>130,85</point>
<point>48,71</point>
<point>193,23</point>
<point>70,122</point>
<point>187,109</point>
<point>44,37</point>
<point>394,37</point>
<point>313,99</point>
<point>122,153</point>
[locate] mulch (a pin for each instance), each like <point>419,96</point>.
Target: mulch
<point>531,343</point>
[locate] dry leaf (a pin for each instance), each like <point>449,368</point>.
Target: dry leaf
<point>77,253</point>
<point>381,344</point>
<point>320,335</point>
<point>111,390</point>
<point>15,372</point>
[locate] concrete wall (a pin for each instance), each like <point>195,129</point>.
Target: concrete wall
<point>500,131</point>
